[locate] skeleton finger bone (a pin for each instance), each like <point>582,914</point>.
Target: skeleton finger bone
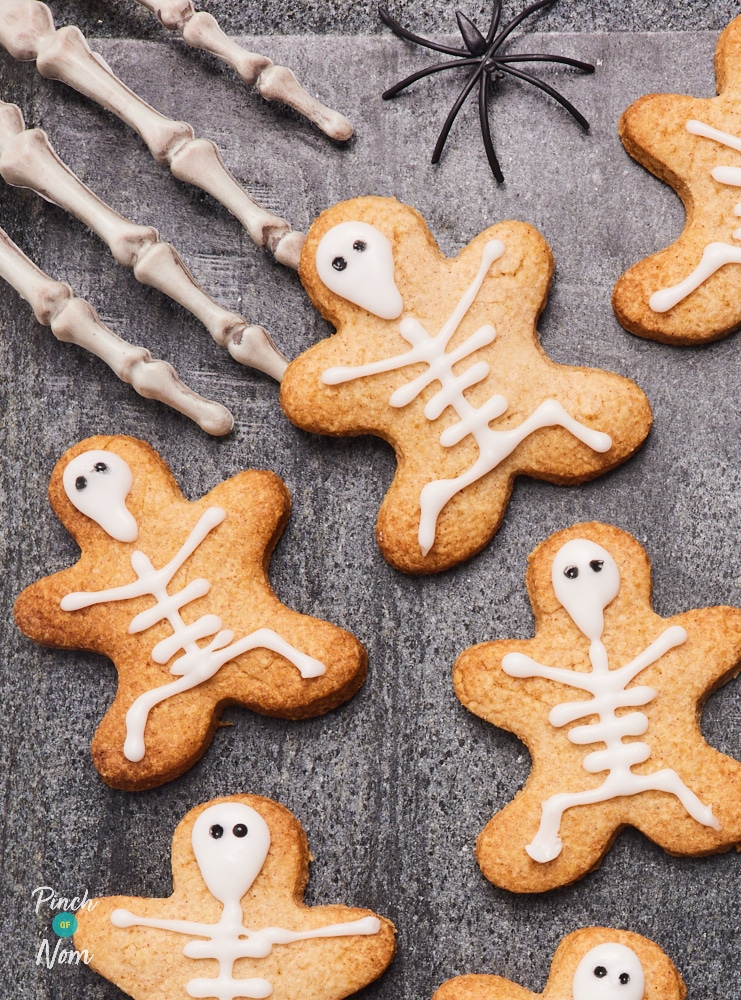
<point>275,83</point>
<point>27,31</point>
<point>74,321</point>
<point>27,159</point>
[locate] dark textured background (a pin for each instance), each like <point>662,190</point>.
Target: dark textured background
<point>394,787</point>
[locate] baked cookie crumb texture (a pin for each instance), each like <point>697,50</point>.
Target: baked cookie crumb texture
<point>689,292</point>
<point>596,963</point>
<point>607,697</point>
<point>440,357</point>
<point>177,595</point>
<point>236,925</point>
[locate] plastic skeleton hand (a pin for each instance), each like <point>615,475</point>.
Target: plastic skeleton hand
<point>74,321</point>
<point>177,595</point>
<point>440,358</point>
<point>241,860</point>
<point>596,963</point>
<point>28,160</point>
<point>27,31</point>
<point>573,694</point>
<point>275,83</point>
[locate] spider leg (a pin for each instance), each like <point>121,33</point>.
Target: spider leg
<point>509,28</point>
<point>402,32</point>
<point>495,16</point>
<point>486,131</point>
<point>528,78</point>
<point>475,41</point>
<point>585,67</point>
<point>442,138</point>
<point>409,80</point>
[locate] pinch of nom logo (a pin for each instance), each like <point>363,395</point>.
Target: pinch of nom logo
<point>63,926</point>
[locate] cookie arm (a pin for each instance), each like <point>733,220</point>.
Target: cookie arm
<point>648,129</point>
<point>484,688</point>
<point>728,60</point>
<point>713,648</point>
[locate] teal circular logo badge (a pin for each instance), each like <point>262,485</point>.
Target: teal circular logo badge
<point>64,924</point>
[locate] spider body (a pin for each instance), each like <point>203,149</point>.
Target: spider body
<point>483,54</point>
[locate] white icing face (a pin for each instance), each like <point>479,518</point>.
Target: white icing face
<point>355,260</point>
<point>586,579</point>
<point>230,842</point>
<point>97,483</point>
<point>609,972</point>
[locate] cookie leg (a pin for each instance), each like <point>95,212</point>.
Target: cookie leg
<point>495,446</point>
<point>546,844</point>
<point>669,781</point>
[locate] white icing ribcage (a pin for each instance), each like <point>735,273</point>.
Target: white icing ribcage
<point>715,255</point>
<point>229,940</point>
<point>494,446</point>
<point>609,691</point>
<point>197,663</point>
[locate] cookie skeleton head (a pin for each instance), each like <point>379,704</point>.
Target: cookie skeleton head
<point>97,484</point>
<point>610,971</point>
<point>230,841</point>
<point>586,579</point>
<point>355,261</point>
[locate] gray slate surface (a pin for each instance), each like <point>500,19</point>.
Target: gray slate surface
<point>121,18</point>
<point>394,787</point>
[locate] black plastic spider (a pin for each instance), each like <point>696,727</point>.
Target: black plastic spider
<point>482,53</point>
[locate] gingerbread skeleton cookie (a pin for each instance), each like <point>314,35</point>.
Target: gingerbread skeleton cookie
<point>596,963</point>
<point>236,925</point>
<point>690,292</point>
<point>440,357</point>
<point>607,697</point>
<point>177,595</point>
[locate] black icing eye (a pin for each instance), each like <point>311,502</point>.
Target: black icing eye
<point>80,483</point>
<point>100,467</point>
<point>216,831</point>
<point>600,972</point>
<point>596,565</point>
<point>360,246</point>
<point>240,830</point>
<point>571,573</point>
<point>339,263</point>
<point>624,978</point>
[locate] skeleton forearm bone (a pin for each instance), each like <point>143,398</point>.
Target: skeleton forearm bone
<point>27,32</point>
<point>28,160</point>
<point>74,321</point>
<point>275,83</point>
